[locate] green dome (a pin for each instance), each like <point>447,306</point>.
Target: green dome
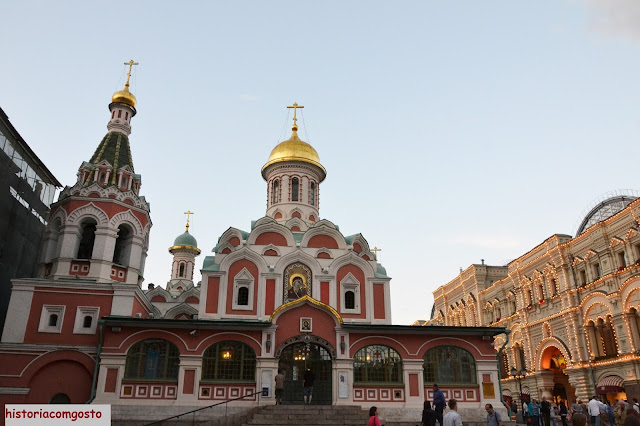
<point>186,239</point>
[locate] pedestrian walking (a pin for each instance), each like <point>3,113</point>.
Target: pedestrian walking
<point>428,415</point>
<point>309,377</point>
<point>438,403</point>
<point>279,387</point>
<point>373,417</point>
<point>545,409</point>
<point>452,418</point>
<point>493,417</point>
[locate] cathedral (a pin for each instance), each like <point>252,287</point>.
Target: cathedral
<point>290,293</point>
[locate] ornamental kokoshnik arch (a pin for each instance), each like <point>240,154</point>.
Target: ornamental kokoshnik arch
<point>297,282</point>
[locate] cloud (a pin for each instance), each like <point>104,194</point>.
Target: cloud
<point>249,98</point>
<point>619,18</point>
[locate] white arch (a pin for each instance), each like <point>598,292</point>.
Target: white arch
<point>243,253</point>
<point>352,258</point>
<point>129,218</point>
<point>272,226</point>
<point>90,210</point>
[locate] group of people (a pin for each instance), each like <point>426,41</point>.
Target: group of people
<point>595,413</point>
<point>307,386</point>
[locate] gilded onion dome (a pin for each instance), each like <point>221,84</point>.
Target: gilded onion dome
<point>124,96</point>
<point>294,149</point>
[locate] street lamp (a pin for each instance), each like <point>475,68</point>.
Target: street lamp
<point>519,375</point>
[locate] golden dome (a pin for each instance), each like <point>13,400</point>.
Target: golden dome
<point>294,149</point>
<point>124,96</point>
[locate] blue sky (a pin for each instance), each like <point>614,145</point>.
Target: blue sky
<point>451,131</point>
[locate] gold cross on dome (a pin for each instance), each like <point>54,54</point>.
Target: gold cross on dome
<point>131,64</point>
<point>295,107</point>
<point>188,213</point>
<point>375,250</point>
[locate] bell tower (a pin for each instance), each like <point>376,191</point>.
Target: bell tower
<point>99,227</point>
<point>293,174</point>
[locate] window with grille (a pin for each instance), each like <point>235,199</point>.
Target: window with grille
<point>449,365</point>
<point>377,364</point>
<point>153,359</point>
<point>349,300</point>
<point>229,361</point>
<point>243,296</point>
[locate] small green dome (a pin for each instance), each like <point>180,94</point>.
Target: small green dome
<point>186,239</point>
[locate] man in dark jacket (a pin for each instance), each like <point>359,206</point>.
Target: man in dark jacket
<point>545,408</point>
<point>438,402</point>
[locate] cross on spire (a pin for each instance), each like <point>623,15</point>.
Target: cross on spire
<point>295,107</point>
<point>188,213</point>
<point>375,250</point>
<point>131,64</point>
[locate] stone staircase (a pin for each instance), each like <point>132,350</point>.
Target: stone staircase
<point>309,415</point>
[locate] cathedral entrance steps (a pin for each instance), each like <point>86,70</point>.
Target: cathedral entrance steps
<point>309,415</point>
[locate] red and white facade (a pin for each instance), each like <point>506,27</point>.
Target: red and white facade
<point>291,293</point>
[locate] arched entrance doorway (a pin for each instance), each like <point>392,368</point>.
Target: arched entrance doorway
<point>295,359</point>
<point>554,364</point>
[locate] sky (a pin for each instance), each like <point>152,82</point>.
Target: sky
<point>451,131</point>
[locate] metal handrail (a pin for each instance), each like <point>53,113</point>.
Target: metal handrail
<point>204,408</point>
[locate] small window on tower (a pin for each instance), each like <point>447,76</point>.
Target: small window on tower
<point>181,273</point>
<point>119,113</point>
<point>113,114</point>
<point>125,181</point>
<point>294,189</point>
<point>276,192</point>
<point>126,115</point>
<point>312,201</point>
<point>102,177</point>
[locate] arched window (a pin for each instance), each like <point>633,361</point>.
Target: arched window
<point>153,359</point>
<point>181,272</point>
<point>243,296</point>
<point>123,246</point>
<point>294,189</point>
<point>518,355</point>
<point>377,364</point>
<point>229,360</point>
<point>85,249</point>
<point>87,321</point>
<point>275,192</point>
<point>349,300</point>
<point>312,197</point>
<point>60,398</point>
<point>504,366</point>
<point>449,365</point>
<point>53,320</point>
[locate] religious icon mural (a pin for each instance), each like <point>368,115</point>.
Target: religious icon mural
<point>297,282</point>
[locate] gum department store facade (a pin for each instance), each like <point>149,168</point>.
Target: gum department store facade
<point>291,293</point>
<point>571,305</point>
